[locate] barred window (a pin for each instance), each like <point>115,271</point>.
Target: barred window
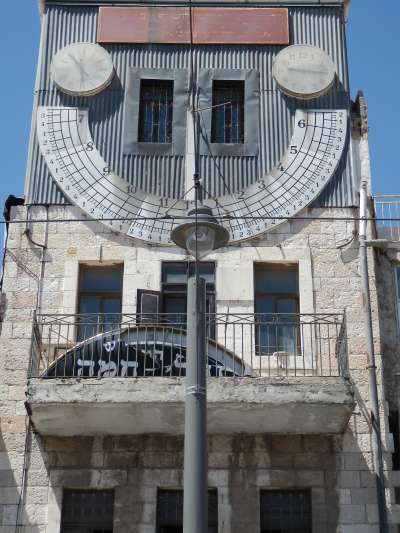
<point>155,112</point>
<point>170,511</point>
<point>227,121</point>
<point>87,511</point>
<point>285,511</point>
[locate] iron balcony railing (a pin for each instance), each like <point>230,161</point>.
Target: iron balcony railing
<point>387,214</point>
<point>238,345</point>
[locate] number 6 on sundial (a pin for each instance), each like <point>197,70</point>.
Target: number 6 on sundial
<point>85,178</point>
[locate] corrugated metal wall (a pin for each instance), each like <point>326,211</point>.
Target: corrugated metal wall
<point>164,175</point>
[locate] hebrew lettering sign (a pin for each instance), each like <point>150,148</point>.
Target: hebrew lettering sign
<point>142,351</point>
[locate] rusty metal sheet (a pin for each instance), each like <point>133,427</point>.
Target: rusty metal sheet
<point>221,25</point>
<point>211,25</point>
<point>143,25</point>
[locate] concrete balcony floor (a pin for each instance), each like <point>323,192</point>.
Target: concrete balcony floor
<point>118,406</point>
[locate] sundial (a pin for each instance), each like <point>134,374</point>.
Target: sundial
<point>84,176</point>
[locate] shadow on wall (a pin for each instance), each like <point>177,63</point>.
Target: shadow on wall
<point>21,503</point>
<point>362,485</point>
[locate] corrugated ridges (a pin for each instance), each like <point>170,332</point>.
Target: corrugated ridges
<point>164,175</point>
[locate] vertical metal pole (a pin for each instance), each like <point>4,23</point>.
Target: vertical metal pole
<point>373,388</point>
<point>195,495</point>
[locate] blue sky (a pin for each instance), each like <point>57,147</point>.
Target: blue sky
<point>373,43</point>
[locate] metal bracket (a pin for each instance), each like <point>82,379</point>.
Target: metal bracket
<point>196,390</point>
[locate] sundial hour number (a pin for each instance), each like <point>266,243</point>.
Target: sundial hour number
<point>263,196</point>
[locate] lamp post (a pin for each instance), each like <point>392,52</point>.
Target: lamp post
<point>199,236</point>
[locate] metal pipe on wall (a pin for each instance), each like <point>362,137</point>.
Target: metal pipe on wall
<point>373,387</point>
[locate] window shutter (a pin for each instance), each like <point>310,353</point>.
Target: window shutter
<point>148,306</point>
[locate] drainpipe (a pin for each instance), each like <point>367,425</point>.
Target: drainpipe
<point>373,387</point>
<point>366,306</point>
<point>43,248</point>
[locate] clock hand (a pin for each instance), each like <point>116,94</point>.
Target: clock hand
<point>77,63</point>
<point>81,68</point>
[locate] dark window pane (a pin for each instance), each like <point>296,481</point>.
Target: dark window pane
<point>286,305</point>
<point>272,279</point>
<point>276,300</point>
<point>87,511</point>
<point>178,272</point>
<point>89,304</point>
<point>175,304</point>
<point>100,279</point>
<point>99,300</point>
<point>395,431</point>
<point>170,511</point>
<point>175,272</point>
<point>174,278</point>
<point>227,122</point>
<point>155,113</point>
<point>206,271</point>
<point>285,511</point>
<point>264,304</point>
<point>398,281</point>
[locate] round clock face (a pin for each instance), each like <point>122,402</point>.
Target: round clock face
<point>82,69</point>
<point>304,71</point>
<point>85,178</point>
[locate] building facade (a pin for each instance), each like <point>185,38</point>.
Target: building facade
<point>93,338</point>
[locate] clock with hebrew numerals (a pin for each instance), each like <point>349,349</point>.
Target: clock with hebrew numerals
<point>84,176</point>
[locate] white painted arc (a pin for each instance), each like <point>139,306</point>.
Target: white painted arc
<point>82,174</point>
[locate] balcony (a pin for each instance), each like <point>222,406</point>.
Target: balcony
<point>387,214</point>
<point>117,374</point>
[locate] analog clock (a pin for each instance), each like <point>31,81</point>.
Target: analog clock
<point>82,69</point>
<point>304,71</point>
<point>85,178</point>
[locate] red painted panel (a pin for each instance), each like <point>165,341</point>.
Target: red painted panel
<point>221,25</point>
<point>217,25</point>
<point>143,25</point>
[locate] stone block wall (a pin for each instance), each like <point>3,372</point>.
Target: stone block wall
<point>47,281</point>
<point>239,467</point>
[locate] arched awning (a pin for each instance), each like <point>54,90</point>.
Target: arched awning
<point>140,351</point>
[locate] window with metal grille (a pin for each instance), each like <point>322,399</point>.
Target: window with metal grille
<point>285,511</point>
<point>155,111</point>
<point>170,511</point>
<point>276,304</point>
<point>227,120</point>
<point>87,511</point>
<point>99,299</point>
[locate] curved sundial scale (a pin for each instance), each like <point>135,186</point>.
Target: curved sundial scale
<point>84,177</point>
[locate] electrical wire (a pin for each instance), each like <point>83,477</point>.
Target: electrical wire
<point>186,217</point>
